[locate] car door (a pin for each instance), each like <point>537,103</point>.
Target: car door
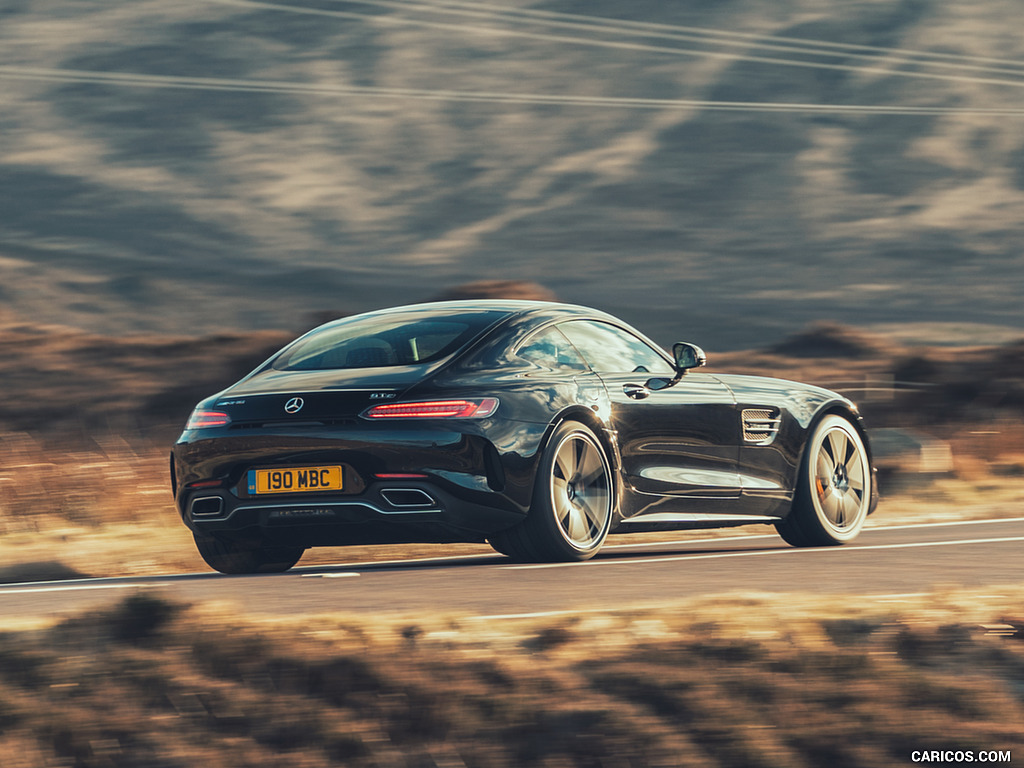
<point>680,442</point>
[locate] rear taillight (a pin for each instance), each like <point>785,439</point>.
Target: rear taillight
<point>203,419</point>
<point>435,409</point>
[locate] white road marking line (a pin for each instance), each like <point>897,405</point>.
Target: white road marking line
<point>379,563</point>
<point>904,597</point>
<point>711,540</point>
<point>791,551</point>
<point>946,524</point>
<point>547,614</point>
<point>30,589</point>
<point>327,575</point>
<point>648,544</point>
<point>101,583</point>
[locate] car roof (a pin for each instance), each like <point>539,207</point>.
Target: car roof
<point>511,306</point>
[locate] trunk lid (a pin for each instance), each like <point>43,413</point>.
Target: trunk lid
<point>325,397</point>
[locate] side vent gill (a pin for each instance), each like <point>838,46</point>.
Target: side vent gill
<point>760,425</point>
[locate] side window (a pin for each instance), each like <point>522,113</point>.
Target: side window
<point>550,349</point>
<point>612,350</point>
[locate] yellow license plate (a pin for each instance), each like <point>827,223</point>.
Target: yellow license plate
<point>295,480</point>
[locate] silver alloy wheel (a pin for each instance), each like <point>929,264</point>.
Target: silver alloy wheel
<point>581,491</point>
<point>840,478</point>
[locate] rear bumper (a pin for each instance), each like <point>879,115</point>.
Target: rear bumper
<point>384,513</point>
<point>468,491</point>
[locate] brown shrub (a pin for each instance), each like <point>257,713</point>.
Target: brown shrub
<point>827,339</point>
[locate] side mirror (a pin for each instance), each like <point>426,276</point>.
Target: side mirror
<point>688,356</point>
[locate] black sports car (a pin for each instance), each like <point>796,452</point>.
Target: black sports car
<point>537,427</point>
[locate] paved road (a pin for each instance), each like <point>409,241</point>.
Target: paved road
<point>892,560</point>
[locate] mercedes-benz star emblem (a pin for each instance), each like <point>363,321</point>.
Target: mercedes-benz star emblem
<point>294,405</point>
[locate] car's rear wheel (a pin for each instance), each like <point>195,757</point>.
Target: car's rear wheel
<point>573,500</point>
<point>236,557</point>
<point>833,494</point>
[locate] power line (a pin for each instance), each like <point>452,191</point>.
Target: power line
<point>641,26</point>
<point>139,80</point>
<point>619,45</point>
<point>702,34</point>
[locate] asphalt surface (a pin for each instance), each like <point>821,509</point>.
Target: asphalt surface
<point>901,560</point>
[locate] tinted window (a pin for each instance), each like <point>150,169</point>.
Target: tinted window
<point>385,340</point>
<point>612,350</point>
<point>550,349</point>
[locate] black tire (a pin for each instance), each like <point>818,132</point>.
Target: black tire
<point>833,493</point>
<point>237,557</point>
<point>790,534</point>
<point>573,501</point>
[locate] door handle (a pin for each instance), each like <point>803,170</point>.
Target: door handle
<point>636,391</point>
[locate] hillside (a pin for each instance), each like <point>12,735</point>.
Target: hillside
<point>189,168</point>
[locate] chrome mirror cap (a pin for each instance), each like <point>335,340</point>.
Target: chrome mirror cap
<point>688,356</point>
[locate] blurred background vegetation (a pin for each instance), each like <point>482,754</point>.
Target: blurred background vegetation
<point>751,681</point>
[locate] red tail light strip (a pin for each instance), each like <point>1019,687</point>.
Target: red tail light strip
<point>207,419</point>
<point>435,409</point>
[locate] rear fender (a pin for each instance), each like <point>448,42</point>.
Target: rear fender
<point>608,439</point>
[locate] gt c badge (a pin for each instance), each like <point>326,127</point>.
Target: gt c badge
<point>294,405</point>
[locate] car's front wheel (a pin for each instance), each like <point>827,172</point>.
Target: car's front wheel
<point>237,557</point>
<point>573,501</point>
<point>833,493</point>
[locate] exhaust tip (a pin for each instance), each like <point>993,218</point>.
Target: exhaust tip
<point>207,506</point>
<point>404,498</point>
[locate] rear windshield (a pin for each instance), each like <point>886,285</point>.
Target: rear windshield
<point>384,340</point>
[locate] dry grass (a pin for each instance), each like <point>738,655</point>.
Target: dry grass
<point>741,680</point>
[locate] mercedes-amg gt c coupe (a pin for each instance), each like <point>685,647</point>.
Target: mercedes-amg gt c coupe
<point>538,427</point>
